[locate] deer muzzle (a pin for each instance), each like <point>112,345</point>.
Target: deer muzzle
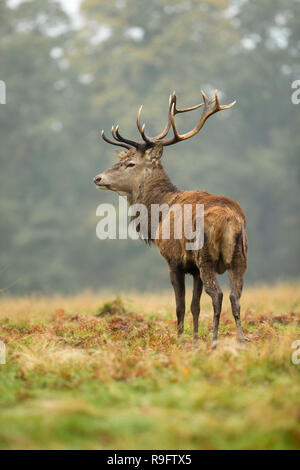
<point>99,181</point>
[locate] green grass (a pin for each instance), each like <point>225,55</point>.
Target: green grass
<point>91,373</point>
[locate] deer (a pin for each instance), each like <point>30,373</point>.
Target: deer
<point>140,176</point>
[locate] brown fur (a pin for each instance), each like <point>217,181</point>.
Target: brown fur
<point>224,221</point>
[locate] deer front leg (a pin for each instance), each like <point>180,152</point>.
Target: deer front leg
<point>195,305</point>
<point>177,279</point>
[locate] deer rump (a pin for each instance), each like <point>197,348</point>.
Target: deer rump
<point>225,234</point>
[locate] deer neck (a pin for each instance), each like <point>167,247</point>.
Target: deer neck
<point>154,189</point>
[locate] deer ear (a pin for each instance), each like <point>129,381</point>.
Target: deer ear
<point>156,153</point>
<point>121,154</point>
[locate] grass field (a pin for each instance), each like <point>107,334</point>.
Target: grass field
<point>80,373</point>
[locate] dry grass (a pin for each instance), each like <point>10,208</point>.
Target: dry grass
<point>84,374</point>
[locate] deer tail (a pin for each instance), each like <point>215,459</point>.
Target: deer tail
<point>234,233</point>
<point>244,241</point>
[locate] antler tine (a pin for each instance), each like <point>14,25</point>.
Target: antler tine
<point>114,133</point>
<point>218,106</point>
<point>185,110</point>
<point>109,141</point>
<point>132,143</point>
<point>146,139</point>
<point>206,100</point>
<point>138,118</point>
<point>176,135</point>
<point>172,99</point>
<point>226,106</point>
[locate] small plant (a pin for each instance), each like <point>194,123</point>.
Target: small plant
<point>114,307</point>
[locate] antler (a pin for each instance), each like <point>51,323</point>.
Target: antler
<point>109,141</point>
<point>159,139</point>
<point>207,112</point>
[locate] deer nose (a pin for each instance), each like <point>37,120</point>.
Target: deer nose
<point>97,179</point>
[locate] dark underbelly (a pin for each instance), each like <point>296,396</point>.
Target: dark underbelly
<point>189,268</point>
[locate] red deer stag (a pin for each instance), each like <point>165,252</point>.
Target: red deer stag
<point>140,176</point>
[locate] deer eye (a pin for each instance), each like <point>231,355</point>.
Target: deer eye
<point>130,165</point>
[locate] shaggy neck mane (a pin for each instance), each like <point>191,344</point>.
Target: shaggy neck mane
<point>155,189</point>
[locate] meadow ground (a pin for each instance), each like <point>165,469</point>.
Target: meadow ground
<point>80,373</point>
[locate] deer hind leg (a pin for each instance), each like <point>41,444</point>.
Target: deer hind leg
<point>195,305</point>
<point>236,276</point>
<point>178,282</point>
<point>212,288</point>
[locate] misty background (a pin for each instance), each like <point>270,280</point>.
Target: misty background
<point>73,68</point>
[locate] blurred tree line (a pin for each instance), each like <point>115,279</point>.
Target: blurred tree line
<point>65,82</point>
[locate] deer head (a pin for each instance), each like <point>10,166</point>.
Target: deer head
<point>142,159</point>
